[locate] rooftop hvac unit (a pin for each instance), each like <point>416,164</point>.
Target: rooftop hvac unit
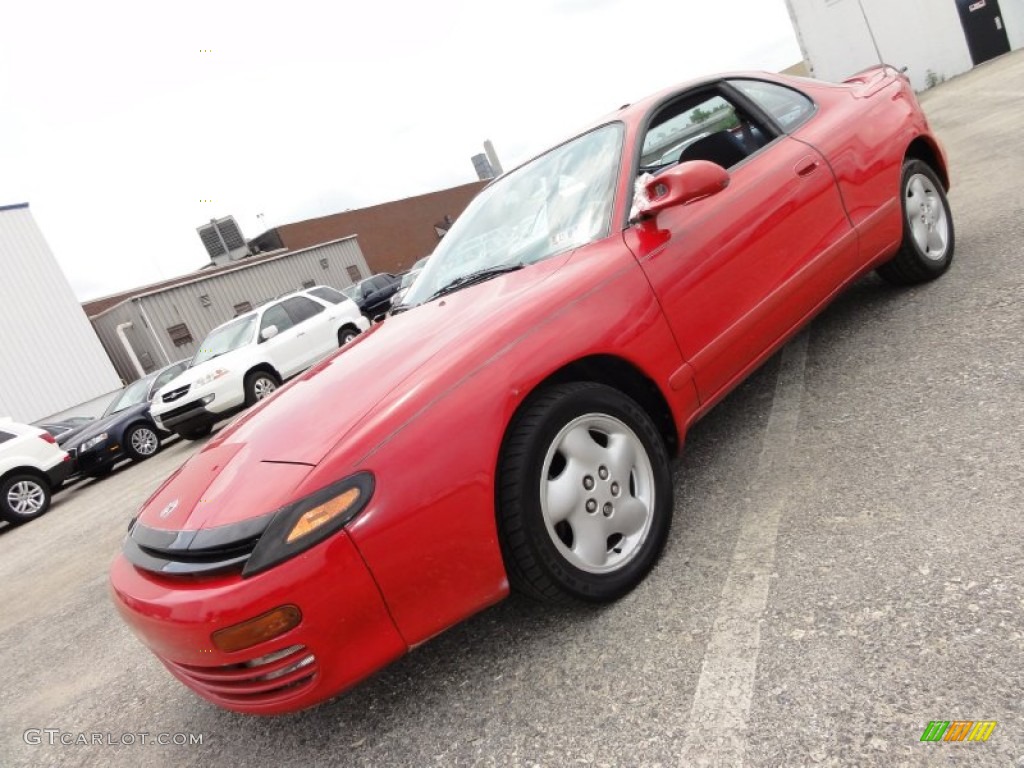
<point>223,240</point>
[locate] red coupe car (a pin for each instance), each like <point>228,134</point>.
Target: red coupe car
<point>511,424</point>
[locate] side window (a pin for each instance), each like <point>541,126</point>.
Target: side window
<point>701,126</point>
<point>790,108</point>
<point>300,309</point>
<point>5,436</point>
<point>275,316</point>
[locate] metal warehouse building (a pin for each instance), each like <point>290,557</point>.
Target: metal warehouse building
<point>934,39</point>
<point>159,324</point>
<point>50,358</point>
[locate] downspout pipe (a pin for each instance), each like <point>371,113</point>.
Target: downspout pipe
<point>128,347</point>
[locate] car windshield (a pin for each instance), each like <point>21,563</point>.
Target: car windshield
<point>225,339</point>
<point>353,291</point>
<point>131,395</point>
<point>559,201</point>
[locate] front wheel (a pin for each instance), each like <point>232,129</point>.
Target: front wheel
<point>928,235</point>
<point>23,497</point>
<point>260,385</point>
<point>197,433</point>
<point>141,442</point>
<point>347,335</point>
<point>584,494</point>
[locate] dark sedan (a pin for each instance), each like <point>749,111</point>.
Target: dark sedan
<point>373,295</point>
<point>125,430</point>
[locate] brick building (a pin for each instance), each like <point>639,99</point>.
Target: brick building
<point>392,236</point>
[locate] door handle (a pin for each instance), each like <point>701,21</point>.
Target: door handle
<point>806,166</point>
<point>303,333</point>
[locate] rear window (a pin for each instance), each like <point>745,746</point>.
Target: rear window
<point>328,294</point>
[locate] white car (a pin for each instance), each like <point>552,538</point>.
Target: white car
<point>247,358</point>
<point>31,468</point>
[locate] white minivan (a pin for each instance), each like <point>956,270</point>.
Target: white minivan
<point>32,467</point>
<point>247,358</point>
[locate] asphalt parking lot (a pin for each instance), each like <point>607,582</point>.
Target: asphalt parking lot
<point>845,564</point>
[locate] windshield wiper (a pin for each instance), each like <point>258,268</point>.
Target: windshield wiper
<point>472,278</point>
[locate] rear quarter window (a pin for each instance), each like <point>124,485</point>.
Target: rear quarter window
<point>789,107</point>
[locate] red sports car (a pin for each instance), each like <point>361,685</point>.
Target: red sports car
<point>511,424</point>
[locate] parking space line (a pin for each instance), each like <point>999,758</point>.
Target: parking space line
<point>716,731</point>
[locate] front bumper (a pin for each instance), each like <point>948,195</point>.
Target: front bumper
<point>58,473</point>
<point>97,458</point>
<point>345,633</point>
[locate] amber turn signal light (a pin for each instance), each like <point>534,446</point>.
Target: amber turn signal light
<point>323,513</point>
<point>266,627</point>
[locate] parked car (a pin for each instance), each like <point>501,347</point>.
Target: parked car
<point>126,430</point>
<point>373,295</point>
<point>63,428</point>
<point>246,359</point>
<point>408,278</point>
<point>512,426</point>
<point>32,467</point>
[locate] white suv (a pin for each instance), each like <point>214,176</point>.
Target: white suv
<point>246,359</point>
<point>31,468</point>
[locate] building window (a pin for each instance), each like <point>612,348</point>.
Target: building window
<point>308,284</point>
<point>180,334</point>
<point>204,300</point>
<point>354,274</point>
<point>323,262</point>
<point>242,308</point>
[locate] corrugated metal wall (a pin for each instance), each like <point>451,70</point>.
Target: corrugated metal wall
<point>207,302</point>
<point>50,358</point>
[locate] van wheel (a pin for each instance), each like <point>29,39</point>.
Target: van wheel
<point>260,385</point>
<point>23,497</point>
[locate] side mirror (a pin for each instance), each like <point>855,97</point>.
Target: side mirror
<point>685,183</point>
<point>268,333</point>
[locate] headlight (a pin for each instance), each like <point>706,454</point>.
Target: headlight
<point>202,381</point>
<point>92,442</point>
<point>306,522</point>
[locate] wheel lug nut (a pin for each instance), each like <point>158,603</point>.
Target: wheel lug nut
<point>608,509</point>
<point>602,472</point>
<point>591,506</point>
<point>615,489</point>
<point>588,483</point>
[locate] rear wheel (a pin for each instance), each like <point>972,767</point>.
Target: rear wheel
<point>23,497</point>
<point>928,235</point>
<point>141,442</point>
<point>584,495</point>
<point>260,385</point>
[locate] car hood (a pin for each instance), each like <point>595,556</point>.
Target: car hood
<point>190,375</point>
<point>103,424</point>
<point>258,462</point>
<point>358,380</point>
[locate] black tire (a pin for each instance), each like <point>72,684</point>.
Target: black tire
<point>198,433</point>
<point>916,262</point>
<point>538,566</point>
<point>256,384</point>
<point>26,489</point>
<point>141,441</point>
<point>347,334</point>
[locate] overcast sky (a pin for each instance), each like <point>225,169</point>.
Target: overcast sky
<point>117,124</point>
